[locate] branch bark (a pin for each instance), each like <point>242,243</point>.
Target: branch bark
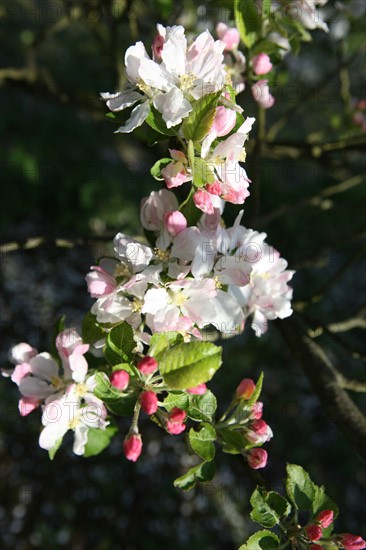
<point>326,382</point>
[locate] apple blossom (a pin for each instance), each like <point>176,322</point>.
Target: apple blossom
<point>325,518</point>
<point>352,542</point>
<point>314,532</point>
<point>262,95</point>
<point>175,421</point>
<point>198,390</point>
<point>149,402</point>
<point>175,223</point>
<point>245,389</point>
<point>132,447</point>
<point>230,36</point>
<point>257,458</point>
<point>261,64</point>
<point>147,365</point>
<point>120,379</point>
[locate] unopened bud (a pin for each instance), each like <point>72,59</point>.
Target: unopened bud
<point>314,532</point>
<point>198,390</point>
<point>149,402</point>
<point>245,389</point>
<point>325,518</point>
<point>257,458</point>
<point>120,379</point>
<point>147,365</point>
<point>132,447</point>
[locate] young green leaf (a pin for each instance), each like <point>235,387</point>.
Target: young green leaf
<point>232,441</point>
<point>202,173</point>
<point>55,448</point>
<point>116,401</point>
<point>299,487</point>
<point>203,472</point>
<point>176,399</point>
<point>163,340</point>
<point>202,407</point>
<point>190,364</point>
<point>202,441</point>
<point>156,121</point>
<point>247,20</point>
<point>198,124</point>
<point>268,508</point>
<point>258,388</point>
<point>262,540</point>
<point>98,440</point>
<point>91,330</point>
<point>156,168</point>
<point>120,344</point>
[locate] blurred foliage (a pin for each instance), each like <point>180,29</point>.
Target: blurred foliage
<point>65,173</point>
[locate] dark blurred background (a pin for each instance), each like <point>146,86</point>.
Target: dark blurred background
<point>69,184</point>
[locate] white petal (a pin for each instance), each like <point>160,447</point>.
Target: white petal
<point>138,116</point>
<point>51,434</point>
<point>80,439</point>
<point>173,106</point>
<point>121,100</point>
<point>79,367</point>
<point>174,51</point>
<point>155,299</point>
<point>133,57</point>
<point>155,75</point>
<point>44,366</point>
<point>31,386</point>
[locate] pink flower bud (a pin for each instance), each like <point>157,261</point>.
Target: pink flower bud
<point>224,121</point>
<point>198,390</point>
<point>27,404</point>
<point>257,410</point>
<point>325,518</point>
<point>261,64</point>
<point>100,282</point>
<point>20,372</point>
<point>214,188</point>
<point>120,379</point>
<point>352,542</point>
<point>147,365</point>
<point>262,95</point>
<point>132,447</point>
<point>314,532</point>
<point>175,174</point>
<point>260,432</point>
<point>175,421</point>
<point>245,389</point>
<point>203,201</point>
<point>22,353</point>
<point>257,458</point>
<point>230,36</point>
<point>157,47</point>
<point>175,223</point>
<point>149,402</point>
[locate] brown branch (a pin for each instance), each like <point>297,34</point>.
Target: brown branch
<point>326,382</point>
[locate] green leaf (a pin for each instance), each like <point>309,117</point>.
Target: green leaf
<point>247,20</point>
<point>299,487</point>
<point>266,8</point>
<point>258,389</point>
<point>202,407</point>
<point>268,508</point>
<point>202,173</point>
<point>200,120</point>
<point>156,121</point>
<point>203,472</point>
<point>187,365</point>
<point>233,441</point>
<point>91,330</point>
<point>120,344</point>
<point>202,441</point>
<point>176,399</point>
<point>159,164</point>
<point>98,440</point>
<point>55,448</point>
<point>323,502</point>
<point>163,340</point>
<point>262,540</point>
<point>115,400</point>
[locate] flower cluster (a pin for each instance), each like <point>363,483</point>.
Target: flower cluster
<point>194,276</point>
<point>63,387</point>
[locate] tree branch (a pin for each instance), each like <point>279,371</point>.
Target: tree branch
<point>326,382</point>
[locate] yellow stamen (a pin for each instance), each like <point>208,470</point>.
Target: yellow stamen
<point>136,305</point>
<point>163,255</point>
<point>187,81</point>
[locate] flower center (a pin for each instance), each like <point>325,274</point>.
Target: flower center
<point>186,81</point>
<point>122,270</point>
<point>57,382</point>
<point>81,390</point>
<point>179,299</point>
<point>163,255</point>
<point>136,305</point>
